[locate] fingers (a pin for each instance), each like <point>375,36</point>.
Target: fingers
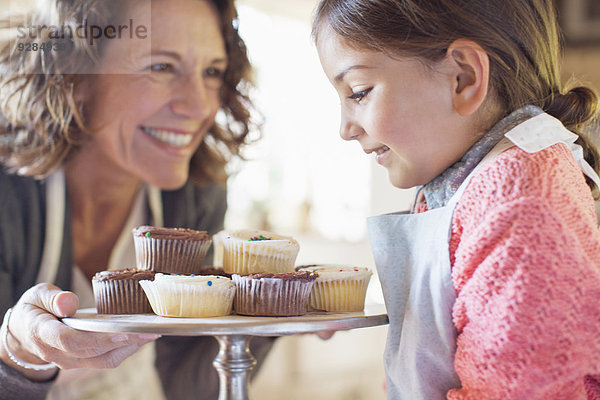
<point>105,358</point>
<point>325,335</point>
<point>65,304</point>
<point>68,347</point>
<point>51,299</point>
<point>37,335</point>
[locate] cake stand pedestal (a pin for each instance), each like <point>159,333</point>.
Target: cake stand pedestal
<point>233,332</point>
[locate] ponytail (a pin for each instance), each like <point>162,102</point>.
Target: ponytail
<point>576,109</point>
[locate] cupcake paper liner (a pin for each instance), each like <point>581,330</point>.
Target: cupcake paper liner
<point>169,299</point>
<point>170,255</point>
<point>249,257</point>
<point>271,296</point>
<point>120,297</point>
<point>339,296</point>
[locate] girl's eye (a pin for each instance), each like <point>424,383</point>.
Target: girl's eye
<point>162,67</point>
<point>358,96</point>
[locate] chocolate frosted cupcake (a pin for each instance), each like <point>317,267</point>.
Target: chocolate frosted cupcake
<point>170,250</point>
<point>119,291</point>
<point>210,270</point>
<point>252,252</point>
<point>267,294</point>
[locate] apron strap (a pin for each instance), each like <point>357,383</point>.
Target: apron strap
<point>55,225</point>
<point>531,136</point>
<point>543,131</point>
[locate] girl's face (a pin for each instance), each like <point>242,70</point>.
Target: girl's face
<point>150,102</point>
<point>397,109</point>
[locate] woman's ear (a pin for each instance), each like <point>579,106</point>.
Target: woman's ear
<point>471,66</point>
<point>81,88</point>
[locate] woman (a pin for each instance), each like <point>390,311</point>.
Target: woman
<point>111,127</point>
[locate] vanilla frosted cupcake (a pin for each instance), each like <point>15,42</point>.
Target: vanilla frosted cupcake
<point>170,250</point>
<point>268,294</point>
<point>250,252</point>
<point>119,292</point>
<point>338,288</point>
<point>192,296</point>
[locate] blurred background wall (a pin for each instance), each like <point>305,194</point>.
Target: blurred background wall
<point>302,179</point>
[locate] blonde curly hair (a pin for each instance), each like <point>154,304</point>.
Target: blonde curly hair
<point>41,120</point>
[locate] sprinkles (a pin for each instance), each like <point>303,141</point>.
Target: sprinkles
<point>258,238</point>
<point>147,234</point>
<point>209,283</point>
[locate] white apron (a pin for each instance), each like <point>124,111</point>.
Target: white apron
<point>136,378</point>
<point>413,262</point>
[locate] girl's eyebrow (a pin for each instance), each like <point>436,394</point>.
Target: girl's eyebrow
<point>341,75</point>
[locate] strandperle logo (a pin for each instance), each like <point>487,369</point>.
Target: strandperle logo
<point>90,33</point>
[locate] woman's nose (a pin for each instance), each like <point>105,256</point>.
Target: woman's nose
<point>194,100</point>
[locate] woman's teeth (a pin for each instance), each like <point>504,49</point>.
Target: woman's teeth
<point>171,138</point>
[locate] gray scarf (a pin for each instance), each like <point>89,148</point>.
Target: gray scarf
<point>441,188</point>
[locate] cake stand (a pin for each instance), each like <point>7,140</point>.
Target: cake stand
<point>234,332</point>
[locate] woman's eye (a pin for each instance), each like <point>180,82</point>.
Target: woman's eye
<point>213,72</point>
<point>162,67</point>
<point>358,96</point>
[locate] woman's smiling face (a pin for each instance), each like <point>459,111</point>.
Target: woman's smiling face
<point>151,101</point>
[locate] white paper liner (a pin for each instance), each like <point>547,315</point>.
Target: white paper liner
<point>192,300</point>
<point>252,257</point>
<point>339,296</point>
<point>271,296</point>
<point>170,255</point>
<point>124,296</point>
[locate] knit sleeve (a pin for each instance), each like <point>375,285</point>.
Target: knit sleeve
<point>525,251</point>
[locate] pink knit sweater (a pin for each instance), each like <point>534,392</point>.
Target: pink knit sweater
<point>525,255</point>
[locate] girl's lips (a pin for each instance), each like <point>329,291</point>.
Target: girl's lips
<point>377,150</point>
<point>382,154</point>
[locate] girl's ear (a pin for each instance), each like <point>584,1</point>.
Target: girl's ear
<point>471,66</point>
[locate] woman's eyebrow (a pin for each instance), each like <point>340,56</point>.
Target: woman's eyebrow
<point>167,53</point>
<point>222,60</point>
<point>176,56</point>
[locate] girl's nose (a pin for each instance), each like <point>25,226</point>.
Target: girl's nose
<point>349,130</point>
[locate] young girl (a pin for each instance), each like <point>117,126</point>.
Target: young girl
<point>492,282</point>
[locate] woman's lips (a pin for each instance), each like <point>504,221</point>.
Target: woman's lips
<point>172,138</point>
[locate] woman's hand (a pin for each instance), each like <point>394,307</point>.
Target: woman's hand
<point>36,336</point>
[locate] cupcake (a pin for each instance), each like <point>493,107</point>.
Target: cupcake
<point>251,252</point>
<point>192,296</point>
<point>119,291</point>
<point>170,250</point>
<point>284,294</point>
<point>338,288</point>
<point>211,270</point>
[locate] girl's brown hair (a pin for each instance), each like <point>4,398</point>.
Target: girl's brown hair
<point>521,38</point>
<point>42,122</point>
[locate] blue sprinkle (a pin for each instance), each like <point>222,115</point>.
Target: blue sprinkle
<point>209,283</point>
